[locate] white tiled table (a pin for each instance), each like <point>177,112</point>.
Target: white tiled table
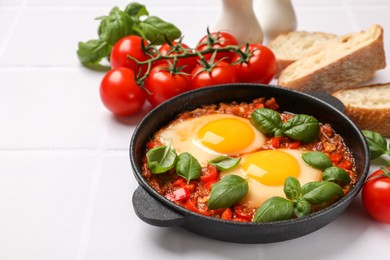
<point>65,177</point>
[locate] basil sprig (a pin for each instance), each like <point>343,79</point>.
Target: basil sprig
<point>229,190</point>
<point>300,127</point>
<point>134,20</point>
<point>376,143</point>
<point>224,163</point>
<point>161,159</point>
<point>298,201</point>
<point>188,167</point>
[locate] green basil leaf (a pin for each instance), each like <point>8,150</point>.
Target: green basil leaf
<point>309,186</point>
<point>302,208</point>
<point>156,30</point>
<point>302,128</point>
<point>188,167</point>
<point>274,209</point>
<point>161,159</point>
<point>324,193</point>
<point>136,10</point>
<point>267,121</point>
<point>292,188</point>
<point>115,26</point>
<point>336,174</point>
<point>376,143</point>
<point>229,190</point>
<point>93,51</point>
<point>317,160</point>
<point>224,163</point>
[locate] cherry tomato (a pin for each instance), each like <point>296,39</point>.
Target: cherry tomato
<point>164,84</point>
<point>259,67</point>
<point>129,46</point>
<point>242,212</point>
<point>376,196</point>
<point>219,73</point>
<point>188,63</point>
<point>120,93</point>
<point>210,174</point>
<point>217,40</point>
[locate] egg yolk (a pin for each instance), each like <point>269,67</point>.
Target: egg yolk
<point>271,167</point>
<point>226,135</point>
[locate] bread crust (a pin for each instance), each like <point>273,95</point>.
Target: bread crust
<point>343,73</point>
<point>373,119</point>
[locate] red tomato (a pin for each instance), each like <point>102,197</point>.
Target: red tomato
<point>188,63</point>
<point>220,73</point>
<point>210,174</point>
<point>376,196</point>
<point>242,212</point>
<point>129,46</point>
<point>259,67</point>
<point>164,85</point>
<point>217,40</point>
<point>120,93</point>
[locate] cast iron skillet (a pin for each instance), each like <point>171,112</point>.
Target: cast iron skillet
<point>156,210</point>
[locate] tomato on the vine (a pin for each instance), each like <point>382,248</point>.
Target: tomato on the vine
<point>164,84</point>
<point>172,48</point>
<point>376,195</point>
<point>219,73</point>
<point>258,66</point>
<point>120,92</point>
<point>217,40</point>
<point>129,46</point>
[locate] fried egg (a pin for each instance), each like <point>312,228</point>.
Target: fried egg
<point>267,170</point>
<point>209,136</point>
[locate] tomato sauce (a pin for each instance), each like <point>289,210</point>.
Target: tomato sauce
<point>195,194</point>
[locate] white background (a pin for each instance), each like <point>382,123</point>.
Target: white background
<point>65,177</point>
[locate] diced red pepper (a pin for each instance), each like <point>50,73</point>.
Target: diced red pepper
<point>210,174</point>
<point>227,214</point>
<point>336,157</point>
<point>275,142</point>
<point>181,194</point>
<point>294,145</point>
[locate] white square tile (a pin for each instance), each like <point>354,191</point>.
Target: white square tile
<point>53,35</point>
<point>116,230</point>
<point>43,200</point>
<point>8,16</point>
<point>49,108</point>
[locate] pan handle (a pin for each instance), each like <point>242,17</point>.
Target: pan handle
<point>153,212</point>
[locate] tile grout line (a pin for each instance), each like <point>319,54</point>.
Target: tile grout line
<point>87,222</point>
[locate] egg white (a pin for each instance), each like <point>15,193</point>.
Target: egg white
<point>258,193</point>
<point>182,135</point>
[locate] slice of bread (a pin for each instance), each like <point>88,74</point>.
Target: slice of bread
<point>342,63</point>
<point>290,47</point>
<point>368,107</point>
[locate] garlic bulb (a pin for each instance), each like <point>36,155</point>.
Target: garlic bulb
<point>238,18</point>
<point>275,17</point>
